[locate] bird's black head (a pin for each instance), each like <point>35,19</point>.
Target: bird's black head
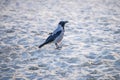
<point>62,23</point>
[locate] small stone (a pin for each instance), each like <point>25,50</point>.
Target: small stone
<point>33,68</point>
<point>10,31</point>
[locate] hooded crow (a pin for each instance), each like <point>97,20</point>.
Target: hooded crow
<point>57,35</point>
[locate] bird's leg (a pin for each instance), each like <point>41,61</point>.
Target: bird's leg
<point>60,44</point>
<point>57,47</point>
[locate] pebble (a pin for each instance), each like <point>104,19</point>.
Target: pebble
<point>33,68</point>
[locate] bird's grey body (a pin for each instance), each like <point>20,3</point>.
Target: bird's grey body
<point>60,37</point>
<point>56,36</point>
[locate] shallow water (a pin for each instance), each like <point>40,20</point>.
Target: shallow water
<point>90,48</point>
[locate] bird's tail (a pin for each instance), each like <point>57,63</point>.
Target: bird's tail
<point>42,45</point>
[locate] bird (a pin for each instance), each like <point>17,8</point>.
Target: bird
<point>56,36</point>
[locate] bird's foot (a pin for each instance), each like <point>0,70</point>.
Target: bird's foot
<point>59,47</point>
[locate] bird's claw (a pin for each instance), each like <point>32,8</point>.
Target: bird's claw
<point>59,47</point>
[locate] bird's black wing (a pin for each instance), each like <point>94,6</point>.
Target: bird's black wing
<point>52,37</point>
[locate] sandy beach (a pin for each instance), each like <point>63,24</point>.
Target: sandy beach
<point>90,48</point>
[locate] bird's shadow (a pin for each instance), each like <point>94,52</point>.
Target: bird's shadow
<point>58,48</point>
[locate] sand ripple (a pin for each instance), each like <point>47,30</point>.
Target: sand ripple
<point>91,46</point>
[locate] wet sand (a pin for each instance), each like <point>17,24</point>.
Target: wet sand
<point>91,45</point>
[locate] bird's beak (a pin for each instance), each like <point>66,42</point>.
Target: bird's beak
<point>66,21</point>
